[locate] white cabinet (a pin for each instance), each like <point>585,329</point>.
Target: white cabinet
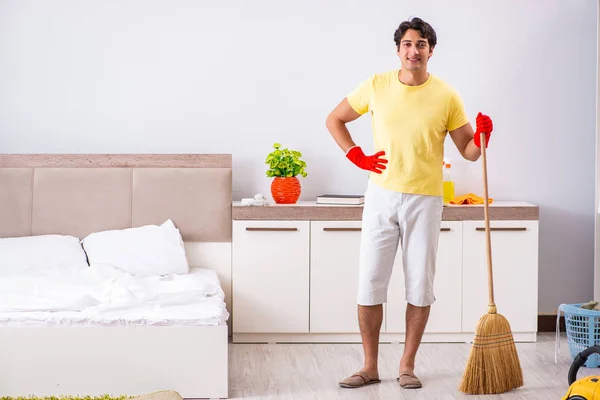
<point>334,251</point>
<point>270,276</point>
<point>445,314</point>
<point>295,275</point>
<point>514,247</point>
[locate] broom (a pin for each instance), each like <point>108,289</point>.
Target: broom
<point>493,365</point>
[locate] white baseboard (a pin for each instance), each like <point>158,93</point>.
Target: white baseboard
<point>355,337</point>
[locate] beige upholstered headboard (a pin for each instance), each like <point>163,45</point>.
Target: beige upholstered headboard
<point>77,194</point>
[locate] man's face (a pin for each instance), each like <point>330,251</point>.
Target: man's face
<point>414,51</point>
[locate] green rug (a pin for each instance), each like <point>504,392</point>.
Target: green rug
<point>105,397</point>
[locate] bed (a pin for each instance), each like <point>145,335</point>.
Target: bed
<point>176,336</point>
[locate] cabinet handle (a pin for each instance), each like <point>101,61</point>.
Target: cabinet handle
<point>520,228</point>
<point>271,229</point>
<point>359,229</point>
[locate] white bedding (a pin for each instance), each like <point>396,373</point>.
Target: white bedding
<point>103,295</point>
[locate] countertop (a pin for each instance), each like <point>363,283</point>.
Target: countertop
<point>310,210</point>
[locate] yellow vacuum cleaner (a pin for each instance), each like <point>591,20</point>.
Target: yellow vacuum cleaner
<point>587,388</point>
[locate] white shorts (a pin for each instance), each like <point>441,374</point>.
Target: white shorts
<point>391,219</point>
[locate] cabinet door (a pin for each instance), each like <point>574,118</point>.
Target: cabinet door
<point>445,314</point>
<point>270,276</point>
<point>335,247</point>
<point>514,247</point>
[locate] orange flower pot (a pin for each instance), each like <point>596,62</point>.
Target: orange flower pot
<point>285,190</point>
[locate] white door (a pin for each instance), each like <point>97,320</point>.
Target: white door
<point>514,247</point>
<point>445,314</point>
<point>270,276</point>
<point>335,249</point>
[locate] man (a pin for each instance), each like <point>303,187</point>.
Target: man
<point>412,111</point>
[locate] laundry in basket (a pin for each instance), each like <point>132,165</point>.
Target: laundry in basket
<point>583,330</point>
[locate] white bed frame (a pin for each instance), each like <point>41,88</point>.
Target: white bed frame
<point>119,360</point>
<point>114,360</point>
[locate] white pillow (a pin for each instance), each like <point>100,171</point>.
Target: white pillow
<point>41,252</point>
<point>143,251</point>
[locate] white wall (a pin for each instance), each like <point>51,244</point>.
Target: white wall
<point>597,202</point>
<point>187,76</point>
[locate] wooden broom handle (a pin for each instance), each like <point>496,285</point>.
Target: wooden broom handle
<point>486,213</point>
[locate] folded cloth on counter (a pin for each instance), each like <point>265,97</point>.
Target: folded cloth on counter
<point>469,198</point>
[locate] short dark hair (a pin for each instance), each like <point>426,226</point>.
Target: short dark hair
<point>419,25</point>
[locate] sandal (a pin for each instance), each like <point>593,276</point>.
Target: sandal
<point>359,379</point>
<point>408,380</point>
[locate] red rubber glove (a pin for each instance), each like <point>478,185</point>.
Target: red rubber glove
<point>371,163</point>
<point>484,124</point>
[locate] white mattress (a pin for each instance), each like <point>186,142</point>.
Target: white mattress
<point>101,295</point>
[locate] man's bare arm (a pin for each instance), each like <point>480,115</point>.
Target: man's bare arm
<point>463,139</point>
<point>336,124</point>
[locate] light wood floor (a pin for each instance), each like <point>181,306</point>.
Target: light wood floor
<point>312,371</point>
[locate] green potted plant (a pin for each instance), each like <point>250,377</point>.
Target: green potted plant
<point>284,167</point>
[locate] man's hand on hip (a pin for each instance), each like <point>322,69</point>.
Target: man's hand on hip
<point>484,124</point>
<point>372,163</point>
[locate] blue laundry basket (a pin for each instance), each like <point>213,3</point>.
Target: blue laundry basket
<point>583,331</point>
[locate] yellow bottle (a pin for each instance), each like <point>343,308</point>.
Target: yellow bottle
<point>448,183</point>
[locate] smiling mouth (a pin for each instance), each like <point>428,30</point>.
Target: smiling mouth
<point>414,59</point>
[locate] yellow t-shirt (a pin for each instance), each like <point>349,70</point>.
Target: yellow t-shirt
<point>410,124</point>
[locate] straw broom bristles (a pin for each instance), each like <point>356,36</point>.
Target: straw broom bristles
<point>493,365</point>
